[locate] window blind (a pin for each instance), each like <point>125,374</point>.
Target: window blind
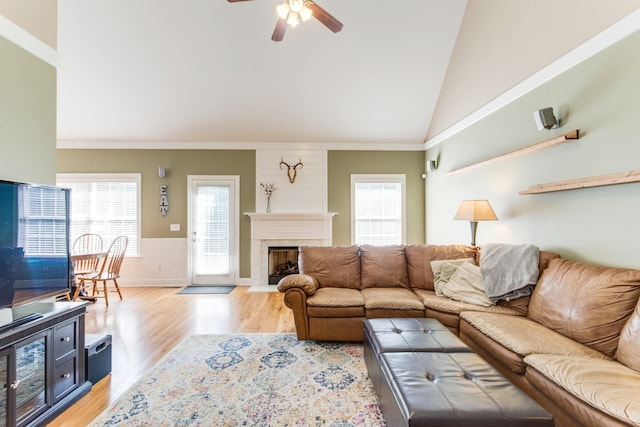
<point>107,206</point>
<point>213,221</point>
<point>44,231</point>
<point>378,212</point>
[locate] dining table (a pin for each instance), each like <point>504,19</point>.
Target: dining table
<point>85,264</point>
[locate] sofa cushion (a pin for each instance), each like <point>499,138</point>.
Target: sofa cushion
<point>390,299</point>
<point>446,305</point>
<point>523,336</point>
<point>419,259</point>
<point>466,285</point>
<point>629,344</point>
<point>585,302</point>
<point>545,259</point>
<point>604,384</point>
<point>336,297</point>
<point>443,269</point>
<point>383,267</point>
<point>331,266</point>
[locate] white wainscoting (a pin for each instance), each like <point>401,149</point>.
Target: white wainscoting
<point>163,263</point>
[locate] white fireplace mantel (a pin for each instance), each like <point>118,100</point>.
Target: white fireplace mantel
<point>284,229</point>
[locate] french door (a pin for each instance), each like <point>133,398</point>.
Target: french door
<point>213,229</point>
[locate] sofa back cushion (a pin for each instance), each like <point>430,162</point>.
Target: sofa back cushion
<point>545,259</point>
<point>628,351</point>
<point>383,267</point>
<point>585,302</point>
<point>331,266</point>
<point>419,259</point>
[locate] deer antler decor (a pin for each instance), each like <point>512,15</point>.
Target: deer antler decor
<point>291,170</point>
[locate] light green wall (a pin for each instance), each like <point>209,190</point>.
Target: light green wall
<point>27,116</point>
<point>178,164</point>
<point>344,163</point>
<point>601,97</point>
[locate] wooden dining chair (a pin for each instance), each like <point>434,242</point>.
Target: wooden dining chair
<point>87,243</point>
<point>110,269</point>
<point>85,266</point>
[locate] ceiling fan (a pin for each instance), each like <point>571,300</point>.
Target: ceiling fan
<point>291,12</point>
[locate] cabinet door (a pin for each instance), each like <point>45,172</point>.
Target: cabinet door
<point>4,391</point>
<point>31,373</point>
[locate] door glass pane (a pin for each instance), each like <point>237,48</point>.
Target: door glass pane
<point>212,249</point>
<point>30,378</point>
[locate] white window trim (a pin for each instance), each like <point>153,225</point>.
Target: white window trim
<point>400,178</point>
<point>113,177</point>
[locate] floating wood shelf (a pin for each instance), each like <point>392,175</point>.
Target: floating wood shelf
<point>569,136</point>
<point>592,181</point>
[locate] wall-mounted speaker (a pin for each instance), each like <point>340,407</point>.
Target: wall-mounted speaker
<point>432,165</point>
<point>545,119</point>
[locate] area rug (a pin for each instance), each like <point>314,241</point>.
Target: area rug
<point>206,290</point>
<point>251,380</point>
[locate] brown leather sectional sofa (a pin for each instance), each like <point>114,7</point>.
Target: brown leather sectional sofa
<point>573,345</point>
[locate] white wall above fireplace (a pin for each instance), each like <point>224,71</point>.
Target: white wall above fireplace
<point>309,191</point>
<point>284,229</point>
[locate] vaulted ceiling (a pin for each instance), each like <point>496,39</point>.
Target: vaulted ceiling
<point>207,71</point>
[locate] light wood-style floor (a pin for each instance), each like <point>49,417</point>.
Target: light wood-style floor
<point>151,321</point>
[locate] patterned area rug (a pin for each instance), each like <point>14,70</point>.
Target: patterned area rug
<point>251,380</point>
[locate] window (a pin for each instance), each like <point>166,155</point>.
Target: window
<point>378,209</point>
<point>105,204</point>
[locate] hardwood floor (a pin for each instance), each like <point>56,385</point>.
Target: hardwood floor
<point>151,321</point>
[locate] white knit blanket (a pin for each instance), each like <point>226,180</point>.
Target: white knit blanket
<point>508,271</point>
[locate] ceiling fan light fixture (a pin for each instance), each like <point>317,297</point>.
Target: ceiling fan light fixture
<point>293,19</point>
<point>306,13</point>
<point>283,10</point>
<point>296,5</point>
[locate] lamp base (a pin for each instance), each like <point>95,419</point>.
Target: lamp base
<point>474,228</point>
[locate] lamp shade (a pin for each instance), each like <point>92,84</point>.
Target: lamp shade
<point>475,210</point>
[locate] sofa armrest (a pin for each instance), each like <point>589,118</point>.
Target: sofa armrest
<point>296,299</point>
<point>301,281</point>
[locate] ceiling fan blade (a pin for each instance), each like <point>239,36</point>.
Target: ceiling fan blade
<point>325,17</point>
<point>278,32</point>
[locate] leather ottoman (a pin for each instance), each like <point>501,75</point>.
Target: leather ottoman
<point>405,335</point>
<point>452,389</point>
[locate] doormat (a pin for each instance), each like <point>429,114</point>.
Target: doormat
<point>206,290</point>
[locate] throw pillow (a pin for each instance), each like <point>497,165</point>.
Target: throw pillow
<point>440,278</point>
<point>466,286</point>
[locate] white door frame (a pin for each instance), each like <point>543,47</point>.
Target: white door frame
<point>236,221</point>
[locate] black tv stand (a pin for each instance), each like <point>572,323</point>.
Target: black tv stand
<point>45,342</point>
<point>21,321</point>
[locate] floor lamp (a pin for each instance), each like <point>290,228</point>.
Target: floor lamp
<point>474,211</point>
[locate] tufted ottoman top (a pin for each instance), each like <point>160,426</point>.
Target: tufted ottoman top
<point>453,389</point>
<point>411,334</point>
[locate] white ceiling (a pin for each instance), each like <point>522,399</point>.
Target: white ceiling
<point>207,71</point>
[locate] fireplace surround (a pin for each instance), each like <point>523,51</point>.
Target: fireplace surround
<point>284,230</point>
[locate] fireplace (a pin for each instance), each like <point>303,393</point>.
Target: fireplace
<point>282,262</point>
<point>284,230</point>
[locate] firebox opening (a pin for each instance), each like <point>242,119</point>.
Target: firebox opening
<point>282,262</point>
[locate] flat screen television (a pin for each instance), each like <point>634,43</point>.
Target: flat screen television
<point>34,242</point>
